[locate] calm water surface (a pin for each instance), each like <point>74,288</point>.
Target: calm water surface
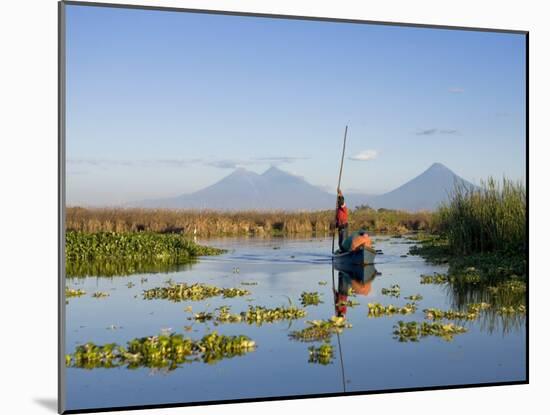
<point>493,350</point>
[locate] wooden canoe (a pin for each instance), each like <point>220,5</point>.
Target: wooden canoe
<point>363,256</point>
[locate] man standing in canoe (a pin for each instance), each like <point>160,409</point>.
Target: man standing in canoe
<point>341,220</point>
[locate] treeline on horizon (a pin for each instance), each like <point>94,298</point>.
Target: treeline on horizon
<point>232,223</point>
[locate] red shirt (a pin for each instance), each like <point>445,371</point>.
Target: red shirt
<point>342,215</point>
<point>341,308</point>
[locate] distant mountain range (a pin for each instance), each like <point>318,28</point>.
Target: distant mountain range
<point>276,189</point>
<point>246,190</point>
<point>424,192</point>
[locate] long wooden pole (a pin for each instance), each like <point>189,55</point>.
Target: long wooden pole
<point>338,333</point>
<point>339,180</point>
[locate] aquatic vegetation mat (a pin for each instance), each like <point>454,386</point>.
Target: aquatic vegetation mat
<point>163,351</point>
<point>511,286</point>
<point>71,292</point>
<point>393,291</point>
<point>122,267</point>
<point>254,315</point>
<point>472,312</point>
<point>434,279</point>
<point>520,309</point>
<point>347,303</point>
<point>379,310</point>
<point>193,292</point>
<point>468,277</point>
<point>110,253</point>
<point>318,330</point>
<point>413,331</point>
<point>310,298</point>
<point>259,315</point>
<point>322,355</point>
<point>414,297</point>
<point>475,267</point>
<point>100,294</point>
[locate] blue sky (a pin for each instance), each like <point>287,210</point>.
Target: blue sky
<point>164,103</point>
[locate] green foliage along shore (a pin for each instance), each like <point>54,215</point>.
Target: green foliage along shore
<point>257,223</point>
<point>481,234</point>
<point>82,246</point>
<point>486,219</point>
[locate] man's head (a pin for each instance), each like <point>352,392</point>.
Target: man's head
<point>340,201</point>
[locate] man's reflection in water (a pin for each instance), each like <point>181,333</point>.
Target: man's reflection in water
<point>358,279</point>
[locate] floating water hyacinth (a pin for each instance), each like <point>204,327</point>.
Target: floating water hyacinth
<point>215,347</point>
<point>234,292</point>
<point>194,292</point>
<point>520,309</point>
<point>512,286</point>
<point>322,355</point>
<point>82,246</point>
<point>203,316</point>
<point>393,291</point>
<point>379,310</point>
<point>100,294</point>
<point>318,330</point>
<point>348,303</point>
<point>130,284</point>
<point>310,298</point>
<point>412,331</point>
<point>471,277</point>
<point>415,297</point>
<point>261,315</point>
<point>163,351</point>
<point>225,316</point>
<point>249,283</point>
<point>254,315</point>
<point>472,312</point>
<point>322,283</point>
<point>434,279</point>
<point>70,292</point>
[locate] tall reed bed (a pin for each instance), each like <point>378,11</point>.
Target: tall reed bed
<point>485,219</point>
<point>216,223</point>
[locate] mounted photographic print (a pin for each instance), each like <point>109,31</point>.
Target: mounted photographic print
<point>258,207</point>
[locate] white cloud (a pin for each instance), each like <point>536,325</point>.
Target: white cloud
<point>456,90</point>
<point>433,131</point>
<point>365,155</point>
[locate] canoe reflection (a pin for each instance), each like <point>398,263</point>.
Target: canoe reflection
<point>356,278</point>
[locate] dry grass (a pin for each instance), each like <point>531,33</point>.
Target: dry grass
<point>213,223</point>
